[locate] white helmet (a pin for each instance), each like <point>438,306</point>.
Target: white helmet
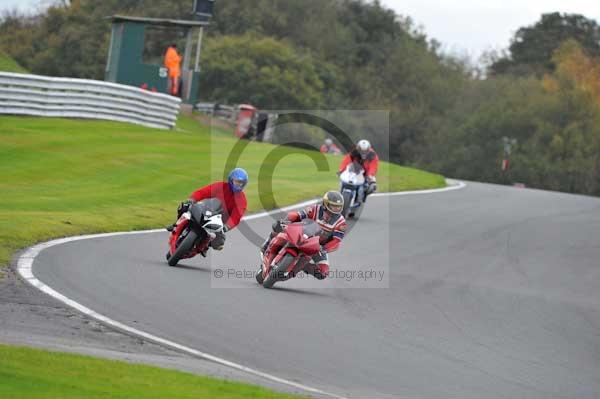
<point>328,142</point>
<point>363,146</point>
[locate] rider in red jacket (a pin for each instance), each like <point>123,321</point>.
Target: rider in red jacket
<point>234,203</point>
<point>329,147</point>
<point>333,228</point>
<point>232,197</point>
<point>366,157</point>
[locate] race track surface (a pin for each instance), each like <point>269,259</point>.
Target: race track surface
<point>486,292</point>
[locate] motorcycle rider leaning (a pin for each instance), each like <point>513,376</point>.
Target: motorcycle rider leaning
<point>365,156</point>
<point>230,193</point>
<point>328,214</point>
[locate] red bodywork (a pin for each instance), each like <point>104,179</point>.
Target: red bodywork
<point>179,228</point>
<point>293,241</point>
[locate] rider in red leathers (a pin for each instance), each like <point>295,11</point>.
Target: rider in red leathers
<point>329,147</point>
<point>333,225</point>
<point>232,197</point>
<point>364,155</point>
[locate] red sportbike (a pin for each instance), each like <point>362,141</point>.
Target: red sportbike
<point>288,252</point>
<point>194,230</point>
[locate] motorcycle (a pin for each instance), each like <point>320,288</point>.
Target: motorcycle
<point>288,252</point>
<point>194,230</point>
<point>352,181</point>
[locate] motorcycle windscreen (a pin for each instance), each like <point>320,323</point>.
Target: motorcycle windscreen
<point>355,168</point>
<point>310,246</point>
<point>199,209</point>
<point>294,232</point>
<point>311,228</point>
<point>214,205</point>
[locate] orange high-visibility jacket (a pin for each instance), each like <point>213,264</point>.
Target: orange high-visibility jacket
<point>173,62</point>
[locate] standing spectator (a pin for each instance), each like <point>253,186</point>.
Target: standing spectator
<point>173,65</point>
<point>329,147</point>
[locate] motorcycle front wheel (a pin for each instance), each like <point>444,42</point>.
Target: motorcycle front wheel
<point>183,248</point>
<point>259,276</point>
<point>278,271</point>
<point>347,200</point>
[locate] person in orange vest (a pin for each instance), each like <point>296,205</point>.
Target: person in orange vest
<point>173,65</point>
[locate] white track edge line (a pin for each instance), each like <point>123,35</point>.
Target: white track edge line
<point>25,265</point>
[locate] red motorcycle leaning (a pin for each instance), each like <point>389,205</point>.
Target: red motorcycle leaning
<point>194,230</point>
<point>288,252</point>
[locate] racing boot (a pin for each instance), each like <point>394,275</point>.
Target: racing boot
<point>320,271</point>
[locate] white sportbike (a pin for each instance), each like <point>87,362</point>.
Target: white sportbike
<point>353,186</point>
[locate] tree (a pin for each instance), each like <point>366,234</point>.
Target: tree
<point>263,71</point>
<point>532,47</point>
<point>572,138</point>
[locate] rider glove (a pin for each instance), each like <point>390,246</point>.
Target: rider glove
<point>184,207</point>
<point>278,225</point>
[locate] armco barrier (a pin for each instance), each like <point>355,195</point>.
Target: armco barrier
<point>22,94</point>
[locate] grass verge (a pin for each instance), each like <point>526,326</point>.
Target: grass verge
<point>35,374</point>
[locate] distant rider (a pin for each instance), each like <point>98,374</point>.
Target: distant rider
<point>232,197</point>
<point>365,156</point>
<point>328,214</point>
<point>329,147</point>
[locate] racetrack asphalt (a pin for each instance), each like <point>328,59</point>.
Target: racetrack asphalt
<point>484,292</point>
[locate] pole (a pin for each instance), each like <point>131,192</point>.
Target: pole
<point>508,143</point>
<point>198,49</point>
<point>188,49</point>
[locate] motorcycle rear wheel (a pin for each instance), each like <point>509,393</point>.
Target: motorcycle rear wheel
<point>277,271</point>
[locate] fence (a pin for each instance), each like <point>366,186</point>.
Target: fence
<point>221,111</point>
<point>22,94</point>
<point>261,127</point>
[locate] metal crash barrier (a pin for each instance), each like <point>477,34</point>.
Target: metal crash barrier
<point>23,94</point>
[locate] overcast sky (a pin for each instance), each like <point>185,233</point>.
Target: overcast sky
<point>473,26</point>
<point>462,26</point>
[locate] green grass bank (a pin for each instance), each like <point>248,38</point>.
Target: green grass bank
<point>7,64</point>
<point>64,177</point>
<point>34,374</point>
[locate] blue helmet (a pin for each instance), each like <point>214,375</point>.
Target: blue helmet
<point>237,179</point>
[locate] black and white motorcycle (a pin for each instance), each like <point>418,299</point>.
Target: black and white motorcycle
<point>194,230</point>
<point>353,188</point>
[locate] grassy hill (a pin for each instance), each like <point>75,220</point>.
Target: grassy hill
<point>64,177</point>
<point>7,64</point>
